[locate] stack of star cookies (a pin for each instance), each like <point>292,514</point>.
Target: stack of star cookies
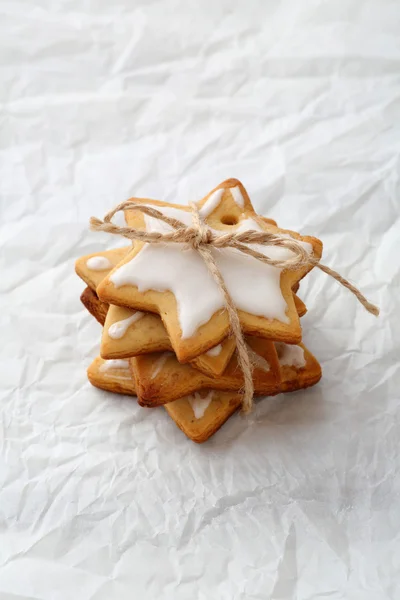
<point>166,334</point>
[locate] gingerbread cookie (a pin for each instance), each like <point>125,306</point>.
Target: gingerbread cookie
<point>172,279</point>
<point>160,378</point>
<point>203,413</point>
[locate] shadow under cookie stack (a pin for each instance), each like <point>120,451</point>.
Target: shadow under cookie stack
<point>166,332</point>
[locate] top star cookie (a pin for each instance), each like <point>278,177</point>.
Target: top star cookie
<point>173,281</point>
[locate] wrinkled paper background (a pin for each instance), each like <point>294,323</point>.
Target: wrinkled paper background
<point>102,100</point>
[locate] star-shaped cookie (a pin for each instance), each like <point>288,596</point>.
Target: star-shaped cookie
<point>160,378</point>
<point>173,281</point>
<point>201,414</point>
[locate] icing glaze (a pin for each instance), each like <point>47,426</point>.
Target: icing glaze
<point>211,203</point>
<point>199,405</point>
<point>237,196</point>
<point>160,362</point>
<point>118,329</point>
<point>216,351</point>
<point>290,355</point>
<point>115,363</point>
<point>253,286</point>
<point>98,263</point>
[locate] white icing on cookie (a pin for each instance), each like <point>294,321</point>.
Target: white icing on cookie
<point>211,203</point>
<point>290,355</point>
<point>253,286</point>
<point>237,196</point>
<point>115,363</point>
<point>216,351</point>
<point>160,362</point>
<point>199,405</point>
<point>118,329</point>
<point>98,263</point>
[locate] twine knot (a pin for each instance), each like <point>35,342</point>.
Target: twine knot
<point>198,236</point>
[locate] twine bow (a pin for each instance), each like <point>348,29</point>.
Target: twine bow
<point>202,239</point>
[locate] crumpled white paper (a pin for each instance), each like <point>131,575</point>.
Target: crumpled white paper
<point>102,100</point>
